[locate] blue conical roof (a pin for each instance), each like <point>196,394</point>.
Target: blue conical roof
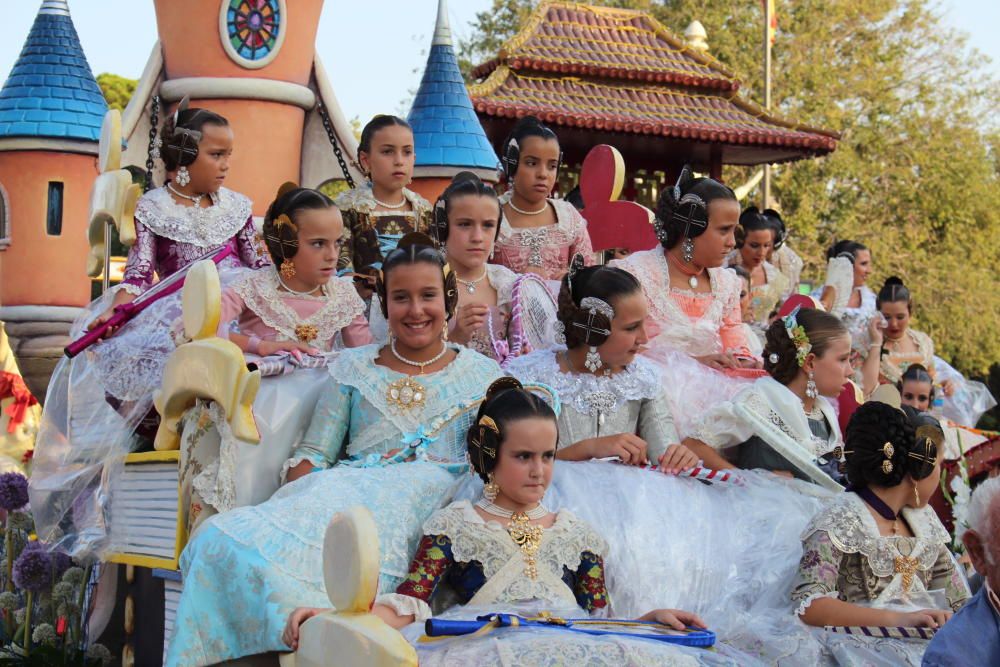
<point>446,131</point>
<point>51,91</point>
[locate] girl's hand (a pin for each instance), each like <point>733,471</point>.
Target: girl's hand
<point>469,319</point>
<point>101,319</point>
<point>677,619</point>
<point>925,618</point>
<point>719,362</point>
<point>295,620</point>
<point>630,448</point>
<point>676,459</point>
<point>948,388</point>
<point>268,347</point>
<point>749,362</point>
<point>876,330</point>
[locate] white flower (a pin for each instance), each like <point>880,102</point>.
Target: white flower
<point>962,493</point>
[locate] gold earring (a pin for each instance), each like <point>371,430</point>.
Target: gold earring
<point>444,331</point>
<point>287,269</point>
<point>916,495</point>
<point>490,489</point>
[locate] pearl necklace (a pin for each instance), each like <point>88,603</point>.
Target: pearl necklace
<point>195,199</point>
<point>523,212</point>
<point>470,285</point>
<point>535,514</point>
<point>293,291</point>
<point>692,277</point>
<point>390,206</point>
<point>418,364</point>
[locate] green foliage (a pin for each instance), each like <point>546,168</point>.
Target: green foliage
<point>916,175</point>
<point>117,89</point>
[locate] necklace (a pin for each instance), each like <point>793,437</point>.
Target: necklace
<point>538,512</point>
<point>815,414</point>
<point>406,394</point>
<point>194,199</point>
<point>470,285</point>
<point>880,507</point>
<point>390,206</point>
<point>288,289</point>
<point>523,212</point>
<point>692,277</point>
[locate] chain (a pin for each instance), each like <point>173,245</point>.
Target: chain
<point>328,126</point>
<point>154,117</point>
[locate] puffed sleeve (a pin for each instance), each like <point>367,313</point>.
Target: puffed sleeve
<point>819,569</point>
<point>731,331</point>
<point>141,262</point>
<point>945,575</point>
<point>249,248</point>
<point>588,583</point>
<point>427,570</point>
<point>723,426</point>
<point>327,431</point>
<point>232,308</point>
<point>656,426</point>
<point>357,333</point>
<point>581,242</point>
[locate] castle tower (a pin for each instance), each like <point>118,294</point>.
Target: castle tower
<point>50,120</point>
<point>448,137</point>
<point>254,62</point>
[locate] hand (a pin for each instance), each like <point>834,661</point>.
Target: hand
<point>718,361</point>
<point>924,618</point>
<point>630,448</point>
<point>469,319</point>
<point>749,362</point>
<point>677,619</point>
<point>295,620</point>
<point>268,347</point>
<point>676,459</point>
<point>948,388</point>
<point>101,319</point>
<point>876,331</point>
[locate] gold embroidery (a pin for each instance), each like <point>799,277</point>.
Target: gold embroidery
<point>528,538</point>
<point>906,566</point>
<point>306,332</point>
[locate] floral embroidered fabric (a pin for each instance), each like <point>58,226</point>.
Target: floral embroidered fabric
<point>369,234</point>
<point>549,248</point>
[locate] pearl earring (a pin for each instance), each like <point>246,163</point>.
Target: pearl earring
<point>183,177</point>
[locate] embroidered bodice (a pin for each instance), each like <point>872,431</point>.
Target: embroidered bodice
<point>894,364</point>
<point>485,567</point>
<point>692,322</point>
<point>550,247</point>
<point>369,233</point>
<point>261,308</point>
<point>631,401</point>
<point>169,236</point>
<point>845,557</point>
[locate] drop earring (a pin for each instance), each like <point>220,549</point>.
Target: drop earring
<point>811,390</point>
<point>183,177</point>
<point>593,360</point>
<point>916,496</point>
<point>287,269</point>
<point>687,250</point>
<point>444,331</point>
<point>490,489</point>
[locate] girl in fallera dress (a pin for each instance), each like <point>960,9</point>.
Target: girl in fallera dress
<point>298,305</point>
<point>847,295</point>
<point>467,220</point>
<point>538,234</point>
<point>786,260</point>
<point>755,242</point>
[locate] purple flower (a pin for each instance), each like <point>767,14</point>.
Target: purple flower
<point>61,562</point>
<point>33,568</point>
<point>13,491</point>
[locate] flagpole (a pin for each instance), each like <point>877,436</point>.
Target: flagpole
<point>767,95</point>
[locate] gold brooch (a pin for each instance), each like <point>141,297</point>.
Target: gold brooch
<point>528,538</point>
<point>406,394</point>
<point>906,566</point>
<point>306,332</point>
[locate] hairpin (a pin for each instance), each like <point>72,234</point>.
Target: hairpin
<point>887,451</point>
<point>797,334</point>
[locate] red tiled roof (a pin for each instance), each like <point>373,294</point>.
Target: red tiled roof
<point>622,71</point>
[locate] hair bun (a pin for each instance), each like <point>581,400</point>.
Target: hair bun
<point>749,216</point>
<point>286,187</point>
<point>415,238</point>
<point>893,280</point>
<point>463,176</point>
<point>501,385</point>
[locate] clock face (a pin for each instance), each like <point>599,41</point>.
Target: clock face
<point>252,31</point>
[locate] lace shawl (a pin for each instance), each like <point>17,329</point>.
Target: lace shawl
<point>894,364</point>
<point>362,200</point>
<point>203,227</point>
<point>342,305</point>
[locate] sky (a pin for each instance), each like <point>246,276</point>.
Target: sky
<point>374,51</point>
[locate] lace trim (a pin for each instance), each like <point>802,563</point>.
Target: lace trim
<point>489,544</point>
<point>203,227</point>
<point>362,200</point>
<point>808,600</point>
<point>217,482</point>
<point>563,232</point>
<point>296,460</point>
<point>404,605</point>
<point>502,280</point>
<point>590,394</point>
<point>852,529</point>
<point>260,293</point>
<point>130,288</point>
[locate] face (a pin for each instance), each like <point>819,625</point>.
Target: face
<point>984,550</point>
<point>745,298</point>
<point>862,267</point>
<point>917,394</point>
<point>524,467</point>
<point>628,331</point>
<point>833,368</point>
<point>472,229</point>
<point>713,246</point>
<point>209,169</point>
<point>320,231</point>
<point>390,161</point>
<point>415,302</point>
<point>757,247</point>
<point>537,168</point>
<point>897,314</point>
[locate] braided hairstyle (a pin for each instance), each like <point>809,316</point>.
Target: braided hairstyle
<point>281,232</point>
<point>606,283</point>
<point>510,154</point>
<point>464,183</point>
<point>821,328</point>
<point>894,291</point>
<point>182,132</point>
<point>416,248</point>
<point>506,401</point>
<point>682,211</point>
<point>882,445</point>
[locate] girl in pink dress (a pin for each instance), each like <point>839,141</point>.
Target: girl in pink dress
<point>299,305</point>
<point>695,324</point>
<point>537,234</point>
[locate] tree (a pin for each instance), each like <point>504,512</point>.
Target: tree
<point>916,175</point>
<point>117,89</point>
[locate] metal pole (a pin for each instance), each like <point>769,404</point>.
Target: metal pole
<point>766,203</point>
<point>106,278</point>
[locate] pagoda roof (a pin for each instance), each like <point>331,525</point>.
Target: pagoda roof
<point>51,91</point>
<point>621,71</point>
